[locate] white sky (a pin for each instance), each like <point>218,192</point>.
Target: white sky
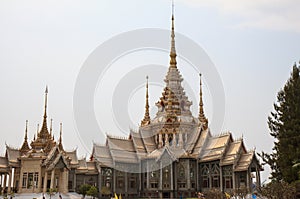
<point>253,45</point>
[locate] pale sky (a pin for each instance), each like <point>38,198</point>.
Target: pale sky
<point>253,45</point>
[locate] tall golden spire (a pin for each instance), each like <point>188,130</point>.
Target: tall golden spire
<point>146,119</point>
<point>202,117</point>
<point>25,147</point>
<point>173,62</point>
<point>44,130</point>
<point>60,138</point>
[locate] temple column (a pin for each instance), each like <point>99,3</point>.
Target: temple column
<point>40,181</point>
<point>248,179</point>
<point>9,181</point>
<point>20,182</point>
<point>148,176</point>
<point>99,179</point>
<point>52,179</point>
<point>172,185</point>
<point>45,182</point>
<point>233,180</point>
<point>114,181</point>
<point>221,179</point>
<point>126,183</point>
<point>188,174</point>
<point>74,179</point>
<point>4,183</point>
<point>210,177</point>
<point>160,180</point>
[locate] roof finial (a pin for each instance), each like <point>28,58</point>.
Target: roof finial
<point>173,62</point>
<point>146,119</point>
<point>25,138</point>
<point>202,117</point>
<point>60,138</point>
<point>46,96</point>
<point>25,146</point>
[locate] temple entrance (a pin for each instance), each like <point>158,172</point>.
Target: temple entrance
<point>166,194</point>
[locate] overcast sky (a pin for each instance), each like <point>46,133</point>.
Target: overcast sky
<point>253,45</point>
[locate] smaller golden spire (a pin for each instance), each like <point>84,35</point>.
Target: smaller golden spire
<point>147,118</point>
<point>25,138</point>
<point>25,147</point>
<point>60,138</point>
<point>202,117</point>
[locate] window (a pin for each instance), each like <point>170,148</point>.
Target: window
<point>24,182</point>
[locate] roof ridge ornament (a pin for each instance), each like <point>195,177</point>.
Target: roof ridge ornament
<point>147,118</point>
<point>203,120</point>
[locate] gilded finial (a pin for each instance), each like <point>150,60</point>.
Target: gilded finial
<point>146,119</point>
<point>60,138</point>
<point>26,130</point>
<point>46,96</point>
<point>202,117</point>
<point>173,62</point>
<point>25,147</point>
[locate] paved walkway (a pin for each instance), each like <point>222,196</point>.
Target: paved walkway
<point>40,196</point>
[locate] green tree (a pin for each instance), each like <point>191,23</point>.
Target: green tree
<point>93,191</point>
<point>284,125</point>
<point>83,189</point>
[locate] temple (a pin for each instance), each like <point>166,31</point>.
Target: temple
<point>43,164</point>
<point>170,155</point>
<point>174,154</point>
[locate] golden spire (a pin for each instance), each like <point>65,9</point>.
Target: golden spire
<point>25,138</point>
<point>202,117</point>
<point>46,98</point>
<point>146,119</point>
<point>173,62</point>
<point>25,146</point>
<point>60,138</point>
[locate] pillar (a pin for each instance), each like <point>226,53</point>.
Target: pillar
<point>248,180</point>
<point>9,180</point>
<point>74,181</point>
<point>188,174</point>
<point>114,181</point>
<point>148,176</point>
<point>20,182</point>
<point>172,186</point>
<point>233,180</point>
<point>126,183</point>
<point>52,179</point>
<point>4,183</point>
<point>221,179</point>
<point>45,182</point>
<point>40,181</point>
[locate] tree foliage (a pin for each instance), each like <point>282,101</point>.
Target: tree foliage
<point>83,189</point>
<point>93,191</point>
<point>279,190</point>
<point>284,125</point>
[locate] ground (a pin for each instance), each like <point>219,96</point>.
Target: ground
<point>40,196</point>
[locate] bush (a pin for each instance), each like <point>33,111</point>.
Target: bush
<point>279,190</point>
